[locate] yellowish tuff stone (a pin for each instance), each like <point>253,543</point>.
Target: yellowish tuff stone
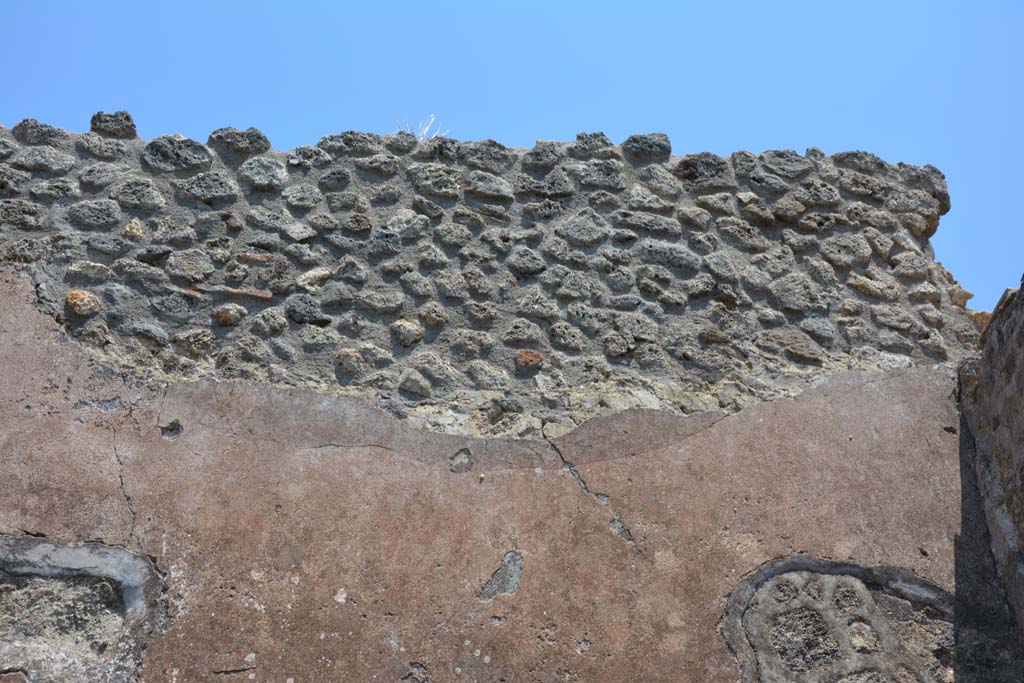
<point>959,296</point>
<point>229,314</point>
<point>312,279</point>
<point>83,303</point>
<point>134,230</point>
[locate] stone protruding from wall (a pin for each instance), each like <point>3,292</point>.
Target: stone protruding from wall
<point>469,287</point>
<point>992,402</point>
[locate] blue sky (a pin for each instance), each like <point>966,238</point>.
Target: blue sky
<point>921,82</point>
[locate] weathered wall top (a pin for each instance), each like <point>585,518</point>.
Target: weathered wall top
<point>470,287</point>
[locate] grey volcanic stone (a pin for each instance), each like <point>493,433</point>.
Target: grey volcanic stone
<point>816,192</point>
<point>95,213</point>
<point>303,308</point>
<point>786,163</point>
<point>592,146</point>
<point>437,180</point>
<point>645,149</point>
<point>43,159</point>
<point>865,162</point>
<point>486,155</point>
<point>380,300</point>
<point>667,254</point>
<point>32,132</point>
<point>603,174</point>
<point>192,265</point>
<point>268,219</point>
<point>308,157</point>
<point>586,228</point>
<point>795,292</point>
<point>302,196</point>
<point>646,222</point>
<point>244,143</point>
<point>57,188</point>
<point>13,181</point>
<point>98,176</point>
<point>335,179</point>
<point>19,212</point>
<point>401,142</point>
<point>488,186</point>
<point>412,381</point>
<point>523,261</point>
<point>383,165</point>
<point>544,156</point>
<point>209,188</point>
<point>170,154</point>
<point>660,181</point>
<point>352,143</point>
<point>263,173</point>
<point>438,148</point>
<point>118,124</point>
<point>138,193</point>
<point>843,251</point>
<point>505,578</point>
<point>296,231</point>
<point>705,171</point>
<point>101,147</point>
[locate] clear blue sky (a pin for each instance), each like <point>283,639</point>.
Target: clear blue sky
<point>923,82</point>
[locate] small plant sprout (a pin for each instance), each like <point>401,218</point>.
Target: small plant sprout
<point>426,130</point>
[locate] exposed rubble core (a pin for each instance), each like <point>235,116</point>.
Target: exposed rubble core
<point>75,613</point>
<point>806,620</point>
<point>472,288</point>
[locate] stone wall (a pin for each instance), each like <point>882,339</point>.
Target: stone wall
<point>287,534</point>
<point>992,402</point>
<point>471,288</point>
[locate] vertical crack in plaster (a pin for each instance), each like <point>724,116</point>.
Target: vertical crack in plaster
<point>571,469</point>
<point>124,492</point>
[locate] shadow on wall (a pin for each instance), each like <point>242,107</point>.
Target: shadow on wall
<point>987,648</point>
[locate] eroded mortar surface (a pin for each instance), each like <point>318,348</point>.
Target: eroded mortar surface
<point>472,288</point>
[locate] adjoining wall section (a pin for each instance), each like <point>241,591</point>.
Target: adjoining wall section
<point>473,288</point>
<point>992,402</point>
